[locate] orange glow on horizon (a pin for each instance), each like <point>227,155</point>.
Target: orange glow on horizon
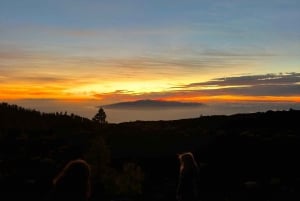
<point>234,98</point>
<point>110,93</point>
<point>15,93</point>
<point>23,93</point>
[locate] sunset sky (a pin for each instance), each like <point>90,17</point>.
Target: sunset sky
<point>88,53</point>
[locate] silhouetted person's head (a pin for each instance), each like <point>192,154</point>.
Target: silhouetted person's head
<point>187,189</point>
<point>187,161</point>
<point>73,182</point>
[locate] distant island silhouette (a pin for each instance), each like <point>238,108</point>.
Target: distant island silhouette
<point>152,104</point>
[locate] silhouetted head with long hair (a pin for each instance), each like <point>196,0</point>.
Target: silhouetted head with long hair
<point>187,189</point>
<point>187,161</point>
<point>73,182</point>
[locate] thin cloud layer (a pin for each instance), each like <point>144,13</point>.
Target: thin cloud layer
<point>251,85</point>
<point>252,80</point>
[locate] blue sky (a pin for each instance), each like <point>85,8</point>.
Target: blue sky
<point>236,24</point>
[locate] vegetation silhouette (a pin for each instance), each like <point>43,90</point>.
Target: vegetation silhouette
<point>100,117</point>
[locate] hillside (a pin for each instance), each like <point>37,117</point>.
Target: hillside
<point>241,157</point>
<point>233,151</point>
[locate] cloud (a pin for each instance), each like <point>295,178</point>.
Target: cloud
<point>250,85</point>
<point>43,79</point>
<point>236,53</point>
<point>258,90</point>
<point>12,54</point>
<point>251,80</point>
<point>22,62</point>
<point>85,60</point>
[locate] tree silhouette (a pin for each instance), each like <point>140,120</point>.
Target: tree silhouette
<point>100,117</point>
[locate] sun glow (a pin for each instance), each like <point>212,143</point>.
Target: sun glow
<point>124,87</point>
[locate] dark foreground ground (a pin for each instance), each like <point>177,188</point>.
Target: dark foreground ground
<point>241,157</point>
